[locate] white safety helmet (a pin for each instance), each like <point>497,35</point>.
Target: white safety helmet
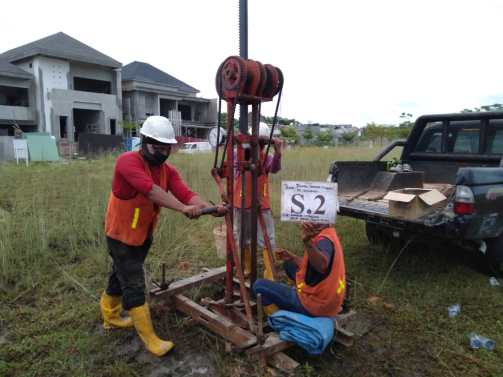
<point>158,128</point>
<point>263,130</point>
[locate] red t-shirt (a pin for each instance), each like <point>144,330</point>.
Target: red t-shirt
<point>130,178</point>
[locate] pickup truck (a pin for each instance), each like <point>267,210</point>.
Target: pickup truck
<point>460,155</point>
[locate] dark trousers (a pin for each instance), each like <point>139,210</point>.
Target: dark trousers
<point>282,295</point>
<point>127,278</point>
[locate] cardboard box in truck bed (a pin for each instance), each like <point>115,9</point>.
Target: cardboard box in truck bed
<point>413,203</point>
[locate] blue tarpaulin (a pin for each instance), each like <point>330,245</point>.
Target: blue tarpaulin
<point>311,333</point>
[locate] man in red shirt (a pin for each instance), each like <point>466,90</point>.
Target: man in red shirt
<point>142,184</point>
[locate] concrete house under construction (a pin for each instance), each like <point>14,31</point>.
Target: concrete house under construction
<point>61,86</point>
<point>147,90</point>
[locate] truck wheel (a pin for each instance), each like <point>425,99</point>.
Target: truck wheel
<point>494,255</point>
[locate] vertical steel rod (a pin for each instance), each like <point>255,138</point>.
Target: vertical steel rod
<point>230,185</point>
<point>254,205</point>
<point>243,52</point>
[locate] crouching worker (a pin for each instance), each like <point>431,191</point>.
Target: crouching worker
<point>142,184</point>
<point>319,276</point>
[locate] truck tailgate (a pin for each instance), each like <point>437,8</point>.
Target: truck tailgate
<point>362,208</point>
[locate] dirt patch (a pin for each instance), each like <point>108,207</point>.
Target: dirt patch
<point>183,360</point>
<point>179,363</point>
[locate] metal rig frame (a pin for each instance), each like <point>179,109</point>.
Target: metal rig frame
<point>235,317</point>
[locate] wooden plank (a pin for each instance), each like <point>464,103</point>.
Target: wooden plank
<point>176,287</point>
<point>272,344</point>
<point>282,362</point>
<point>217,323</point>
<point>247,282</point>
<point>343,336</point>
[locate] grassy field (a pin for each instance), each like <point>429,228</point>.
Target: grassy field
<point>53,267</point>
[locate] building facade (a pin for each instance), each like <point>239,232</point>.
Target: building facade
<point>146,90</point>
<point>60,86</point>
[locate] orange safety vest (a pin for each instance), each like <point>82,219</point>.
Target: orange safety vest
<point>262,186</point>
<point>325,298</point>
<point>131,221</point>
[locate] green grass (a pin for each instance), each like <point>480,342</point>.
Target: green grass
<point>53,266</point>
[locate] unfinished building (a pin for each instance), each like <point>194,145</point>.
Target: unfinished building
<point>17,99</point>
<point>149,91</point>
<point>60,86</point>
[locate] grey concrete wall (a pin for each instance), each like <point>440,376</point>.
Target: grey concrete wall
<point>10,81</point>
<point>212,115</point>
<point>90,71</point>
<point>141,103</point>
<point>127,106</point>
<point>139,106</point>
<point>20,113</point>
<point>64,101</point>
<point>117,86</point>
<point>17,113</point>
<point>6,148</point>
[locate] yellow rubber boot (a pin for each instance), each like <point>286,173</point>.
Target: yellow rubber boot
<point>143,324</point>
<point>247,262</point>
<point>111,311</point>
<point>267,266</point>
<point>270,309</point>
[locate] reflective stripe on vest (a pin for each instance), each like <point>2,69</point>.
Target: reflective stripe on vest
<point>131,221</point>
<point>326,297</point>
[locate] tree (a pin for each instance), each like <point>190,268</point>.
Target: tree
<point>129,128</point>
<point>308,135</point>
<point>280,120</point>
<point>290,134</point>
<point>324,138</point>
<point>348,137</point>
<point>404,131</point>
<point>223,121</point>
<point>406,120</point>
<point>493,107</point>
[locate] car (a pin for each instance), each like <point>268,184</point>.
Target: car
<point>195,147</point>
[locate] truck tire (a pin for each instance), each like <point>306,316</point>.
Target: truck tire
<point>494,255</point>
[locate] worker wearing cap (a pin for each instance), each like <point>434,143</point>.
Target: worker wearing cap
<point>319,276</point>
<point>271,165</point>
<point>142,184</point>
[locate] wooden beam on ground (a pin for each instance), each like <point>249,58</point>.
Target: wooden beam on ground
<point>282,362</point>
<point>217,323</point>
<point>176,287</point>
<point>343,336</point>
<point>272,344</point>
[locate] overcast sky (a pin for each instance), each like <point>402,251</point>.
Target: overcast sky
<point>346,61</point>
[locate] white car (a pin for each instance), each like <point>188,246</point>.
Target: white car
<point>195,147</point>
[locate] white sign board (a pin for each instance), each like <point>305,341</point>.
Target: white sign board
<point>309,201</point>
<point>20,150</point>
